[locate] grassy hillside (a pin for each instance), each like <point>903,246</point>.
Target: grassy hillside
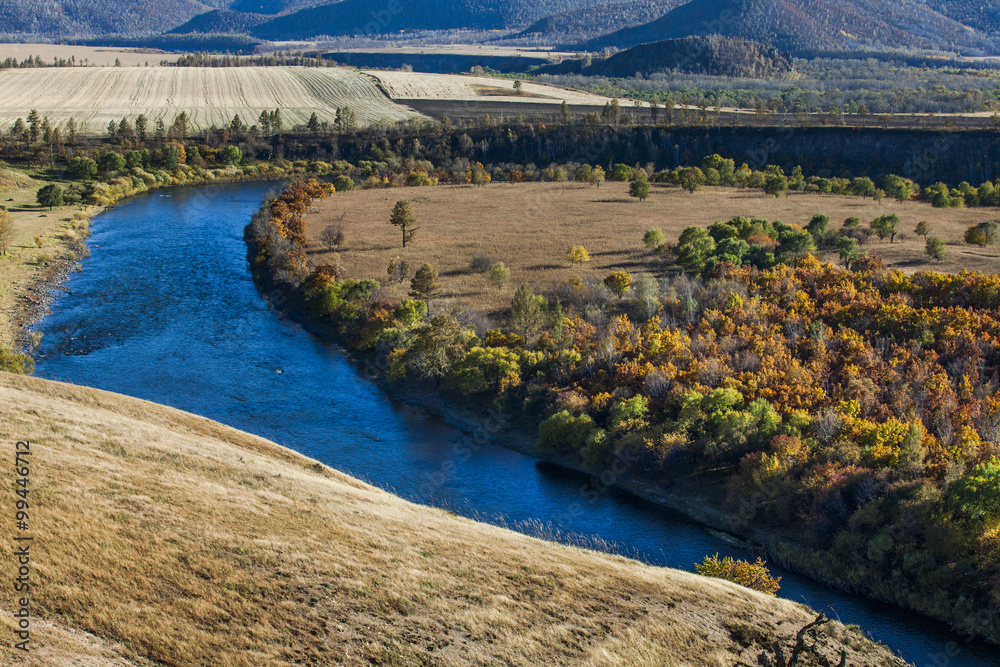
<point>169,538</point>
<point>712,55</point>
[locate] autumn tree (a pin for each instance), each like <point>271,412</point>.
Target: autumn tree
<point>403,217</point>
<point>752,575</point>
<point>6,230</point>
<point>982,235</point>
<point>618,282</point>
<point>577,255</point>
<point>596,176</point>
<point>425,284</point>
<point>499,275</point>
<point>653,238</point>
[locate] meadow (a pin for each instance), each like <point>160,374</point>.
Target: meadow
<point>530,227</point>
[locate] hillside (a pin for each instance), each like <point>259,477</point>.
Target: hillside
<point>70,18</point>
<point>357,17</point>
<point>222,21</point>
<point>802,26</point>
<point>587,22</point>
<point>172,539</point>
<point>713,55</point>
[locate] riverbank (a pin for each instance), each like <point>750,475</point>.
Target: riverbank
<point>393,340</point>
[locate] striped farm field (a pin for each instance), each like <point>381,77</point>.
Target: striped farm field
<point>209,96</point>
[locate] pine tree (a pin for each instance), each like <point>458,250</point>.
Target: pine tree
<point>425,285</point>
<point>403,217</point>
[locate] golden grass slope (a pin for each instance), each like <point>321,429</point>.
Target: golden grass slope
<point>209,95</point>
<point>461,88</point>
<point>165,537</point>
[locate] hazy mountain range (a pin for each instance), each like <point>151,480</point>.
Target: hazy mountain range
<point>798,26</point>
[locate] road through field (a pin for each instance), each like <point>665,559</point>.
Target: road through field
<point>210,96</point>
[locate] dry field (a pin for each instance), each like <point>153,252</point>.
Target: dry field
<point>164,538</point>
<point>530,227</point>
<point>461,88</point>
<point>21,269</point>
<point>210,96</point>
<point>93,55</point>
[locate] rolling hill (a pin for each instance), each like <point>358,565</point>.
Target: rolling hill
<point>804,26</point>
<point>222,21</point>
<point>359,17</point>
<point>587,22</point>
<point>71,18</point>
<point>713,55</point>
<point>170,539</point>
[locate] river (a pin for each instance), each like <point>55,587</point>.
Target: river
<point>165,310</point>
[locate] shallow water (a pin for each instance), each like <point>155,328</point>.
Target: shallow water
<point>165,309</point>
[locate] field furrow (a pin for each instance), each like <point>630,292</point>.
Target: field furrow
<point>210,96</point>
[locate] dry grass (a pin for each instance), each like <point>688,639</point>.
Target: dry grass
<point>530,227</point>
<point>21,269</point>
<point>209,96</point>
<point>169,538</point>
<point>460,88</point>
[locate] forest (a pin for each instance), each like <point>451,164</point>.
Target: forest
<point>849,419</point>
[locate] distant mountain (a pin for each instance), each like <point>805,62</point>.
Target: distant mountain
<point>579,24</point>
<point>222,21</point>
<point>714,55</point>
<point>803,26</point>
<point>273,6</point>
<point>70,18</point>
<point>354,17</point>
<point>980,14</point>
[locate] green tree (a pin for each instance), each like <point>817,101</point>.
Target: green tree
<point>425,284</point>
<point>50,195</point>
<point>518,86</point>
<point>691,178</point>
<point>923,228</point>
<point>34,125</point>
<point>775,184</point>
<point>527,314</point>
<point>141,127</point>
<point>934,247</point>
<point>886,225</point>
<point>564,111</point>
<point>976,496</point>
<point>818,226</point>
<point>863,187</point>
<point>695,246</point>
<point>849,251</point>
<point>618,282</point>
<point>499,275</point>
<point>639,188</point>
<point>404,218</point>
<point>343,183</point>
<point>653,238</point>
<point>313,124</point>
<point>81,168</point>
<point>577,255</point>
<point>232,155</point>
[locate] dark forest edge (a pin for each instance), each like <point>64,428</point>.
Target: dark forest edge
<point>844,420</point>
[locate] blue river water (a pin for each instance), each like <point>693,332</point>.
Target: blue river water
<point>165,310</point>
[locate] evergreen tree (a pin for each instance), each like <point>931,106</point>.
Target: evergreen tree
<point>425,285</point>
<point>402,216</point>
